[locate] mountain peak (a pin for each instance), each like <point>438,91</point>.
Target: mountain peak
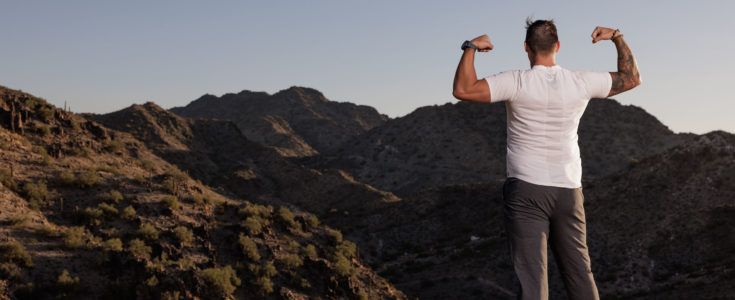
<point>304,93</point>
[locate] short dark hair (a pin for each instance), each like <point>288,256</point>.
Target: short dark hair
<point>541,35</point>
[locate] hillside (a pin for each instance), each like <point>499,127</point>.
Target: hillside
<point>90,212</point>
<point>464,142</point>
<point>654,232</point>
<point>296,121</point>
<point>215,152</point>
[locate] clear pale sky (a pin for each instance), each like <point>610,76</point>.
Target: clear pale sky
<point>393,55</point>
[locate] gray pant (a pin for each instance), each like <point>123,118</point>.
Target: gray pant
<point>534,214</point>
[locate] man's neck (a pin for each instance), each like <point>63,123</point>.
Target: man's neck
<point>544,60</point>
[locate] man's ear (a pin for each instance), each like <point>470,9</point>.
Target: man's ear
<point>525,47</point>
<point>558,45</point>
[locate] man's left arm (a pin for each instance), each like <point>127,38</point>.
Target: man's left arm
<point>466,85</point>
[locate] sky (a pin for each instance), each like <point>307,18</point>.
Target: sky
<point>396,56</point>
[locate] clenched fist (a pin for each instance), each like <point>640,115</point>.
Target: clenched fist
<point>603,33</point>
<point>483,43</point>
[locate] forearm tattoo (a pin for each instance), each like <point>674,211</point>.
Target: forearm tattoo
<point>627,75</point>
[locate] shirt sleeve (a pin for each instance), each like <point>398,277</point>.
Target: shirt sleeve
<point>503,85</point>
<point>598,84</point>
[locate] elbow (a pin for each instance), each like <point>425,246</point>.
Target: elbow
<point>459,94</point>
<point>637,81</point>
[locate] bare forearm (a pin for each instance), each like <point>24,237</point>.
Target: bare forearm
<point>466,74</point>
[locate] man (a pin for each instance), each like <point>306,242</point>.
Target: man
<point>542,195</point>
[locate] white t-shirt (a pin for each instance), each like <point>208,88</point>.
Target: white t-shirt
<point>544,106</point>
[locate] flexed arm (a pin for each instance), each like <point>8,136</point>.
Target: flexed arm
<point>627,76</point>
<point>466,85</point>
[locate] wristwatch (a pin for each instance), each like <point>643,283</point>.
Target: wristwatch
<point>468,44</point>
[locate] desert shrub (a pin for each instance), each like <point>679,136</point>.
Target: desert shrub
<point>112,196</point>
<point>310,251</point>
<point>7,180</point>
<point>269,269</point>
<point>335,235</point>
<point>128,213</point>
<point>74,237</point>
<point>255,210</point>
<point>287,217</point>
<point>342,265</point>
<point>312,220</point>
<point>88,178</point>
<point>347,248</point>
<point>175,178</point>
<point>265,284</point>
<point>67,178</point>
<point>107,209</point>
<point>249,248</point>
<point>36,193</point>
<point>113,146</point>
<point>171,202</point>
<point>152,281</point>
<point>139,249</point>
<point>254,224</point>
<point>148,231</point>
<point>45,112</point>
<point>171,295</point>
<point>113,245</point>
<point>13,251</point>
<point>43,130</point>
<point>93,215</point>
<point>184,235</point>
<point>66,280</point>
<point>291,261</point>
<point>362,295</point>
<point>10,271</point>
<point>148,165</point>
<point>220,282</point>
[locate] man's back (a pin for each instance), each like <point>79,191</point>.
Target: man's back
<point>544,105</point>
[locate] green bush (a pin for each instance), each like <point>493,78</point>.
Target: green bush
<point>335,235</point>
<point>287,217</point>
<point>67,178</point>
<point>113,245</point>
<point>66,280</point>
<point>10,271</point>
<point>249,248</point>
<point>36,193</point>
<point>148,231</point>
<point>312,220</point>
<point>13,251</point>
<point>310,251</point>
<point>139,249</point>
<point>88,178</point>
<point>342,265</point>
<point>269,269</point>
<point>265,284</point>
<point>112,196</point>
<point>254,224</point>
<point>93,215</point>
<point>291,261</point>
<point>171,202</point>
<point>7,180</point>
<point>43,130</point>
<point>108,209</point>
<point>113,146</point>
<point>184,235</point>
<point>128,213</point>
<point>347,248</point>
<point>220,282</point>
<point>74,237</point>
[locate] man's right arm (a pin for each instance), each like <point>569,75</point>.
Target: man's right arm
<point>627,76</point>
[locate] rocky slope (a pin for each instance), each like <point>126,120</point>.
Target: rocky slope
<point>464,142</point>
<point>660,228</point>
<point>90,212</point>
<point>215,152</point>
<point>296,121</point>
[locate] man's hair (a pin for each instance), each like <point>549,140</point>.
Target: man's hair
<point>541,35</point>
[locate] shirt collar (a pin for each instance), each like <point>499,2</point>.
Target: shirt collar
<point>554,67</point>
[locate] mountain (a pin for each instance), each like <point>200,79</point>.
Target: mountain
<point>659,228</point>
<point>215,152</point>
<point>89,212</point>
<point>464,142</point>
<point>297,121</point>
